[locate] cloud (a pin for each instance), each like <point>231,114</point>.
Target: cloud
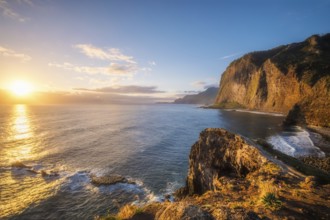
<point>152,63</point>
<point>118,63</point>
<point>229,56</point>
<point>210,86</point>
<point>130,89</point>
<point>204,84</point>
<point>112,69</point>
<point>199,83</point>
<point>9,12</point>
<point>11,53</point>
<point>112,54</point>
<point>77,97</point>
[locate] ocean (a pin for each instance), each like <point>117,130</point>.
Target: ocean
<point>148,144</point>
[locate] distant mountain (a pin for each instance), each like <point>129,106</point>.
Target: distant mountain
<point>206,97</point>
<point>293,79</point>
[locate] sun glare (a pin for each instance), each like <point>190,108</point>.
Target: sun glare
<point>21,88</point>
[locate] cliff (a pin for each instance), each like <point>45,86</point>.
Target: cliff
<point>219,153</point>
<point>230,178</point>
<point>206,97</point>
<point>276,80</point>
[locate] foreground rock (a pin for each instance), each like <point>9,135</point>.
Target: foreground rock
<point>230,178</point>
<point>220,153</point>
<point>292,78</point>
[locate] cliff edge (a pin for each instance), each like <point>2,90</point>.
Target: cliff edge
<point>230,178</point>
<point>293,79</point>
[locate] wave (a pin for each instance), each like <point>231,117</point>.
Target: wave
<point>256,112</point>
<point>296,142</point>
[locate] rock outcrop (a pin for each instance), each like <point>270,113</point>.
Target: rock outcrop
<point>220,153</point>
<point>276,80</point>
<point>206,97</point>
<point>109,179</point>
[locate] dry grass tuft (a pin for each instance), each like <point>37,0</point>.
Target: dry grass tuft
<point>128,211</point>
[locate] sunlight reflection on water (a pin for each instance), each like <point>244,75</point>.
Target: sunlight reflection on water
<point>20,132</point>
<point>21,125</point>
<point>19,187</point>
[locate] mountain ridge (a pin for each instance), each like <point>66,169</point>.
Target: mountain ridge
<point>206,97</point>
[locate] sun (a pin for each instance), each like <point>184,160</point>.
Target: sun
<point>21,88</point>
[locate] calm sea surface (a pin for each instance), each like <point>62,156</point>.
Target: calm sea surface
<point>149,144</point>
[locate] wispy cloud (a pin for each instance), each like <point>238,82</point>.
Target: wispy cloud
<point>118,63</point>
<point>199,83</point>
<point>210,86</point>
<point>230,56</point>
<point>9,12</point>
<point>152,63</point>
<point>130,89</point>
<point>112,69</point>
<point>204,84</point>
<point>6,52</point>
<point>112,54</point>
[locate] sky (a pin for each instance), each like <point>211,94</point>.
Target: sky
<point>158,49</point>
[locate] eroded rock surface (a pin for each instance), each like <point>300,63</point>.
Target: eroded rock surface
<point>220,153</point>
<point>276,80</point>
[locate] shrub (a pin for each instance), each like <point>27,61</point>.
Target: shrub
<point>271,201</point>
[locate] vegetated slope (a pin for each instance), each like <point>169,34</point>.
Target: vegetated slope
<point>276,80</point>
<point>206,97</point>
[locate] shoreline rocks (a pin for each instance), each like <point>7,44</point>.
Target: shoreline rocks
<point>109,179</point>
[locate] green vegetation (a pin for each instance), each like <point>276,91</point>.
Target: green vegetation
<point>271,201</point>
<point>309,59</point>
<point>228,105</point>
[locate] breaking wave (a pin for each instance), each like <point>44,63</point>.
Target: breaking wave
<point>296,142</point>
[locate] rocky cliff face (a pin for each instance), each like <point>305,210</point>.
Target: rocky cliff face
<point>206,97</point>
<point>219,153</point>
<point>277,79</point>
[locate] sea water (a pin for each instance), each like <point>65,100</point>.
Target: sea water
<point>148,144</point>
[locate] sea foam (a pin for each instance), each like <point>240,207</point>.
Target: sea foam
<point>296,143</point>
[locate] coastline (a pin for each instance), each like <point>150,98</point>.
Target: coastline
<point>260,184</point>
<point>256,112</point>
<point>245,110</point>
<point>322,142</point>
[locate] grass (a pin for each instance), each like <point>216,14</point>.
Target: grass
<point>128,211</point>
<point>271,201</point>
